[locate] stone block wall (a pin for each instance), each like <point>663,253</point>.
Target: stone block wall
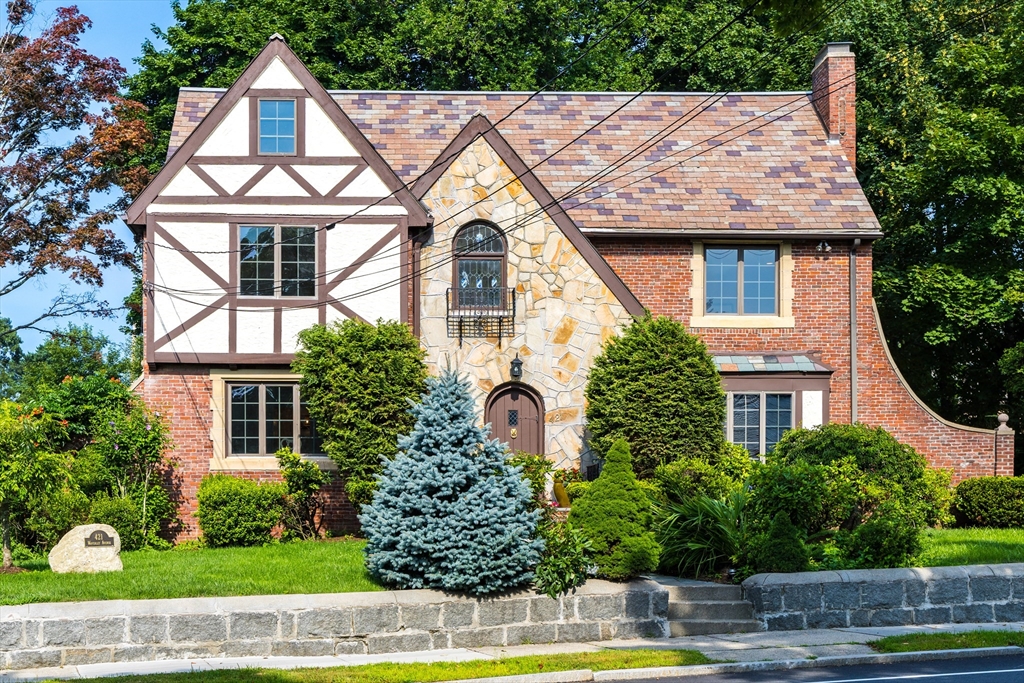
<point>69,634</point>
<point>977,594</point>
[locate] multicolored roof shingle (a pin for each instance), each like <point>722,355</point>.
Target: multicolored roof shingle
<point>697,162</point>
<point>769,363</point>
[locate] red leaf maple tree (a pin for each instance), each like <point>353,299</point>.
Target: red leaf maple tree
<point>67,139</point>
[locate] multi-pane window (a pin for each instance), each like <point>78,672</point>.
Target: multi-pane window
<point>277,127</point>
<point>264,418</point>
<point>740,281</point>
<point>757,420</point>
<point>277,261</point>
<point>479,267</point>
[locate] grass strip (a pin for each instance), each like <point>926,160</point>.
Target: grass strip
<point>919,642</point>
<point>439,671</point>
<point>953,547</point>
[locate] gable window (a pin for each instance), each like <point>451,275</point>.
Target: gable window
<point>277,127</point>
<point>757,420</point>
<point>277,260</point>
<point>741,281</point>
<point>479,267</point>
<point>266,417</point>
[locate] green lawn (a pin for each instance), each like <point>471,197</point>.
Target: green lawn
<point>948,547</point>
<point>918,642</point>
<point>303,567</point>
<point>442,671</point>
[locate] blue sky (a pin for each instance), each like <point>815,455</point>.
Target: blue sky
<point>119,29</point>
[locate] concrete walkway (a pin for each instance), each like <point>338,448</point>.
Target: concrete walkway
<point>740,647</point>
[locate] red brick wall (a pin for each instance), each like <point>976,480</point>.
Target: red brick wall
<point>834,94</point>
<point>658,271</point>
<point>182,396</point>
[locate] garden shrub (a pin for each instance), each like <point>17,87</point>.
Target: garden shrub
<point>449,511</point>
<point>699,534</point>
<point>779,549</point>
<point>238,512</point>
<point>693,477</point>
<point>615,516</point>
<point>888,539</point>
<point>577,489</point>
<point>54,514</point>
<point>938,497</point>
<point>360,492</point>
<point>304,507</point>
<point>990,502</point>
<point>657,387</point>
<point>565,563</point>
<point>535,469</point>
<point>358,380</point>
<point>122,514</point>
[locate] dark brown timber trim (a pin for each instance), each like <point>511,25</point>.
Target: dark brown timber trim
<point>203,267</point>
<point>209,310</point>
<point>205,177</point>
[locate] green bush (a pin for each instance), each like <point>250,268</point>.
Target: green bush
<point>990,502</point>
<point>536,469</point>
<point>564,564</point>
<point>122,514</point>
<point>615,517</point>
<point>360,492</point>
<point>55,514</point>
<point>657,387</point>
<point>577,489</point>
<point>358,380</point>
<point>884,540</point>
<point>692,477</point>
<point>236,511</point>
<point>304,508</point>
<point>779,549</point>
<point>938,497</point>
<point>699,534</point>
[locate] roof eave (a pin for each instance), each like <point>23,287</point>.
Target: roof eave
<point>726,233</point>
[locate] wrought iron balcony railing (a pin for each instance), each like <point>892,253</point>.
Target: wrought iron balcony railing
<point>481,312</point>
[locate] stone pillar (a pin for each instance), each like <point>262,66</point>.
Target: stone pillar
<point>834,94</point>
<point>1004,448</point>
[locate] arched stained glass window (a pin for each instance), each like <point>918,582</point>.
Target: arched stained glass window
<point>479,267</point>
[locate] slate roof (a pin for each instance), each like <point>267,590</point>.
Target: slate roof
<point>760,161</point>
<point>769,363</point>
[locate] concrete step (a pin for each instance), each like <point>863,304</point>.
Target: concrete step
<point>706,592</point>
<point>715,610</point>
<point>702,627</point>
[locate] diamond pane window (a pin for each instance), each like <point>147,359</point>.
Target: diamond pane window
<point>740,281</point>
<point>256,269</point>
<point>277,126</point>
<point>513,418</point>
<point>479,267</point>
<point>479,239</point>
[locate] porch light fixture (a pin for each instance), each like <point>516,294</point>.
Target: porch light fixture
<point>825,247</point>
<point>516,368</point>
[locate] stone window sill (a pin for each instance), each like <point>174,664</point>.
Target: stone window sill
<point>746,322</point>
<point>263,463</point>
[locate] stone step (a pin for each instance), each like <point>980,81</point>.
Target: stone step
<point>732,609</point>
<point>703,627</point>
<point>707,592</point>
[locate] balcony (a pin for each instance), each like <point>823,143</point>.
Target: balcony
<point>481,312</point>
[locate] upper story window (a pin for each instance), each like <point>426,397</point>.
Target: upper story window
<point>265,417</point>
<point>479,267</point>
<point>277,127</point>
<point>741,281</point>
<point>277,260</point>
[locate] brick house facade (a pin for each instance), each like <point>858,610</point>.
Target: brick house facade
<point>515,225</point>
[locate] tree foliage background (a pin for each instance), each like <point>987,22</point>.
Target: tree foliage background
<point>940,122</point>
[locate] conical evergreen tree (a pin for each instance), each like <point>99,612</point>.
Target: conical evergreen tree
<point>449,512</point>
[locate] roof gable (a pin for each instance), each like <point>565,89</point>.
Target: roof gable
<point>333,167</point>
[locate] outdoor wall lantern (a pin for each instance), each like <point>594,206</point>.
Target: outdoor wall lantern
<point>516,369</point>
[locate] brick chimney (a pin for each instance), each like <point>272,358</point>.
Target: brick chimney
<point>834,90</point>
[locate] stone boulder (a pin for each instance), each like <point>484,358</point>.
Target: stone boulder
<point>89,548</point>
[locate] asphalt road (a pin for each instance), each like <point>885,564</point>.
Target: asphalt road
<point>982,670</point>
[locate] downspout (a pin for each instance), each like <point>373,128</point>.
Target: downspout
<point>853,330</point>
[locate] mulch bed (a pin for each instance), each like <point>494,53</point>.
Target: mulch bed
<point>12,570</point>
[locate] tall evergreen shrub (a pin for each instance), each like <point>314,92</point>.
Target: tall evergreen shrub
<point>657,387</point>
<point>449,512</point>
<point>615,516</point>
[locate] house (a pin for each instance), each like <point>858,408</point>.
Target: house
<point>516,231</point>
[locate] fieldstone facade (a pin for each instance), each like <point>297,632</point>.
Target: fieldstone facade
<point>564,314</point>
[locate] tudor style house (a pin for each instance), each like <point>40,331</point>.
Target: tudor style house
<point>515,233</point>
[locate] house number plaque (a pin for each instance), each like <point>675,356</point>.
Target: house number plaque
<point>513,433</point>
<point>99,539</point>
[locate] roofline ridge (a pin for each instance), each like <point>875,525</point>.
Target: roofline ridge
<point>760,93</point>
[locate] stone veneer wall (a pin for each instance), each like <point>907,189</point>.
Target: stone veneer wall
<point>69,634</point>
<point>977,594</point>
<point>564,311</point>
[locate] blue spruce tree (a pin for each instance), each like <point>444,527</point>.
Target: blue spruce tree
<point>449,512</point>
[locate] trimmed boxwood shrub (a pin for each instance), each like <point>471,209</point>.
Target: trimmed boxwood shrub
<point>123,515</point>
<point>236,511</point>
<point>657,387</point>
<point>990,502</point>
<point>779,549</point>
<point>615,516</point>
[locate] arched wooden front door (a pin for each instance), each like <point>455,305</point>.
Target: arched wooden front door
<point>516,415</point>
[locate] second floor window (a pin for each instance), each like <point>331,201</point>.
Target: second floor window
<point>277,126</point>
<point>479,267</point>
<point>741,281</point>
<point>277,260</point>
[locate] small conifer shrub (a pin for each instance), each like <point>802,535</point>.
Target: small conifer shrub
<point>615,516</point>
<point>781,549</point>
<point>449,511</point>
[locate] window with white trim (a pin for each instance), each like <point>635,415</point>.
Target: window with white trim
<point>757,420</point>
<point>265,417</point>
<point>277,260</point>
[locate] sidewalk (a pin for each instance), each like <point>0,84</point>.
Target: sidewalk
<point>741,647</point>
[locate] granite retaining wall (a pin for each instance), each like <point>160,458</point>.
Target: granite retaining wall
<point>975,594</point>
<point>66,634</point>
